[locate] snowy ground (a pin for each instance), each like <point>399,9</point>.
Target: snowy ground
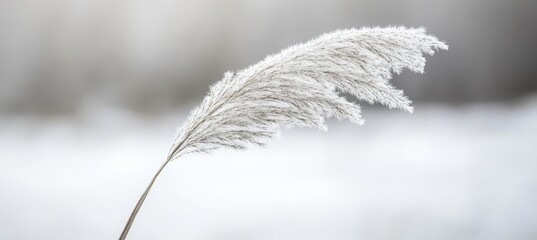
<point>440,173</point>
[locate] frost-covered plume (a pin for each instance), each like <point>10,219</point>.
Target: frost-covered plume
<point>301,86</point>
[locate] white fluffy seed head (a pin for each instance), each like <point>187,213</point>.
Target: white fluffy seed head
<point>299,87</point>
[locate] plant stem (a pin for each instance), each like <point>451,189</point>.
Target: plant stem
<point>141,201</point>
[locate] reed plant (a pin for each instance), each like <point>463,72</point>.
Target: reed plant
<point>300,87</point>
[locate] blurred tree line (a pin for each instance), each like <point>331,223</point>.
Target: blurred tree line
<point>57,57</point>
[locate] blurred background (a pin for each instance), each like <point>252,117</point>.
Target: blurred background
<point>91,93</point>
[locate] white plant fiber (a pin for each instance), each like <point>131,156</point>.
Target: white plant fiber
<point>299,87</point>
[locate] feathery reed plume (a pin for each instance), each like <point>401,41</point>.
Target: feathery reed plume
<point>299,87</point>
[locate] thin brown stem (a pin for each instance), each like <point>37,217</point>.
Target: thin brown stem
<point>141,201</point>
